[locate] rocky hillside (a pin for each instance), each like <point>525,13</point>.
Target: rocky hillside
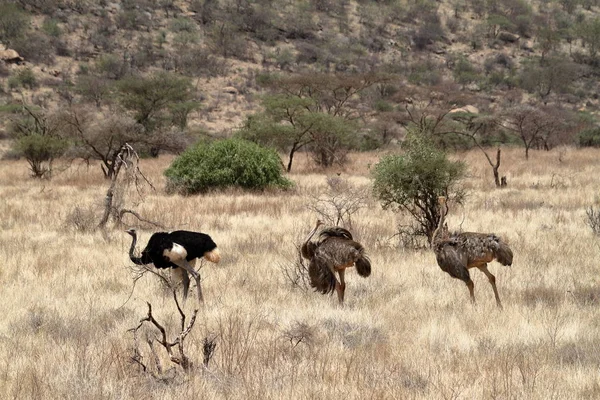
<point>488,55</point>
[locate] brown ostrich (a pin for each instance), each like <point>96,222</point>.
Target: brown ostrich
<point>458,252</point>
<point>333,252</point>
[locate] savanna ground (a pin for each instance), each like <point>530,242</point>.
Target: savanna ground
<point>407,332</point>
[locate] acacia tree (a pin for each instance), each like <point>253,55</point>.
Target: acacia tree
<point>552,75</point>
<point>476,129</point>
<point>157,102</point>
<point>288,124</point>
<point>413,181</point>
<point>38,138</point>
<point>534,126</point>
<point>317,111</point>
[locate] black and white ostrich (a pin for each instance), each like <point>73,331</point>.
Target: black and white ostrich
<point>178,250</point>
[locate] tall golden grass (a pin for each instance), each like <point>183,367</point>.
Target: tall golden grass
<point>407,332</point>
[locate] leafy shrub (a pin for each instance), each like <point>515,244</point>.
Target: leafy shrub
<point>226,163</point>
<point>464,72</point>
<point>51,27</point>
<point>24,78</point>
<point>182,24</point>
<point>13,22</point>
<point>412,182</point>
<point>589,137</point>
<point>36,47</point>
<point>39,151</point>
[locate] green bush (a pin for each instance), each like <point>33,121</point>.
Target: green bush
<point>413,181</point>
<point>24,78</point>
<point>13,22</point>
<point>39,151</point>
<point>226,163</point>
<point>589,138</point>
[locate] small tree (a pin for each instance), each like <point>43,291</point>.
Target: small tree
<point>157,100</point>
<point>13,22</point>
<point>101,137</point>
<point>535,126</point>
<point>318,111</point>
<point>38,139</point>
<point>226,163</point>
<point>412,182</point>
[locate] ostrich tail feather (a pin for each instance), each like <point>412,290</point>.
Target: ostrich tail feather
<point>504,254</point>
<point>213,256</point>
<point>363,266</point>
<point>321,277</point>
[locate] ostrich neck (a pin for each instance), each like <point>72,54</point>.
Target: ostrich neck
<point>311,234</point>
<point>436,233</point>
<point>136,260</point>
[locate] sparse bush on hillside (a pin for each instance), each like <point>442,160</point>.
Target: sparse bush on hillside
<point>35,47</point>
<point>13,22</point>
<point>228,42</point>
<point>589,33</point>
<point>424,73</point>
<point>133,20</point>
<point>23,78</point>
<point>42,6</point>
<point>464,71</point>
<point>226,163</point>
<point>427,34</point>
<point>51,27</point>
<point>589,137</point>
<point>413,181</point>
<point>183,24</point>
<point>199,61</point>
<point>93,88</point>
<point>111,66</point>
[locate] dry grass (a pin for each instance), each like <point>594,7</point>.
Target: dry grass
<point>406,332</point>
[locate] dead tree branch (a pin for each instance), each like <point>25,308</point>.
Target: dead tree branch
<point>181,358</point>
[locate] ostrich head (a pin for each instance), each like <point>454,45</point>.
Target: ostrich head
<point>132,232</point>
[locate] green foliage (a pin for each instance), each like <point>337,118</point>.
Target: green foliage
<point>50,26</point>
<point>39,149</point>
<point>501,21</point>
<point>290,123</point>
<point>414,180</point>
<point>23,78</point>
<point>13,22</point>
<point>424,73</point>
<point>111,66</point>
<point>589,137</point>
<point>150,97</point>
<point>226,163</point>
<point>589,33</point>
<point>383,106</point>
<point>464,72</point>
<point>183,24</point>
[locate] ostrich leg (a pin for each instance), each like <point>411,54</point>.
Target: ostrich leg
<point>492,280</point>
<point>341,286</point>
<point>188,267</point>
<point>182,275</point>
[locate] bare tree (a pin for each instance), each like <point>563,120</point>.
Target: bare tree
<point>476,128</point>
<point>128,158</point>
<point>534,126</point>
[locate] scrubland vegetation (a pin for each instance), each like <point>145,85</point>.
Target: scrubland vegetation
<point>508,89</point>
<point>408,331</point>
